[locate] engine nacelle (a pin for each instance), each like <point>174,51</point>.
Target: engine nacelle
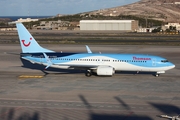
<point>105,70</point>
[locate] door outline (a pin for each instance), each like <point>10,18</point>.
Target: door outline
<point>153,62</point>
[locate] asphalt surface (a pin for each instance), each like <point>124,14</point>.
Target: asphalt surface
<point>30,94</point>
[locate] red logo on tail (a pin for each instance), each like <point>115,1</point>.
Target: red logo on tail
<point>26,45</point>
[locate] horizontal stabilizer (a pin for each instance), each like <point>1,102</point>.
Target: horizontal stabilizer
<point>49,63</point>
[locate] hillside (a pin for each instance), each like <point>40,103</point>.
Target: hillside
<point>164,10</point>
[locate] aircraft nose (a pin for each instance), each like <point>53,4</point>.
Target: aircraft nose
<point>172,65</point>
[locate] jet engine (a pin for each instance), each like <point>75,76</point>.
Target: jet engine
<point>105,70</point>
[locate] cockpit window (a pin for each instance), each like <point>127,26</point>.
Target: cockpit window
<point>164,61</point>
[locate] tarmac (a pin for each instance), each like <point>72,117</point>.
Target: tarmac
<point>31,94</point>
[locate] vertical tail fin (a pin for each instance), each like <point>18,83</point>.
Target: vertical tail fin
<point>28,43</point>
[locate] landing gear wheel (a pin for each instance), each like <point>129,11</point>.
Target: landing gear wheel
<point>157,75</point>
<point>88,73</point>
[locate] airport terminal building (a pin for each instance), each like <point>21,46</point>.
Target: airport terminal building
<point>121,25</point>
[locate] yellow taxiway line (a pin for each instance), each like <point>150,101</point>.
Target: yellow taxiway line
<point>31,76</point>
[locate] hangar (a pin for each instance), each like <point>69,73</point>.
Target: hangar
<point>122,25</point>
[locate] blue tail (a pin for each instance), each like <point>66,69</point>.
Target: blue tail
<point>28,43</point>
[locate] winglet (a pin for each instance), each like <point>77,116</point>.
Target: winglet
<point>49,63</point>
<point>88,49</point>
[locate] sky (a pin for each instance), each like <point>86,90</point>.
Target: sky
<point>54,7</point>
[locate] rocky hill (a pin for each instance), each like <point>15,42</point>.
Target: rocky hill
<point>164,10</point>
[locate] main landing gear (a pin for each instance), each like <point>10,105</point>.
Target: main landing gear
<point>88,73</point>
<point>157,75</point>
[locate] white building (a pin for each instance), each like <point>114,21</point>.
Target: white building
<point>176,3</point>
<point>123,25</point>
<point>26,20</point>
<point>49,25</point>
<point>177,25</point>
<point>23,20</point>
<point>146,30</point>
<point>8,29</point>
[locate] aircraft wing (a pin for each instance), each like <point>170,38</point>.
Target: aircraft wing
<point>71,66</point>
<point>79,66</point>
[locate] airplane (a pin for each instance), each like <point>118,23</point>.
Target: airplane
<point>102,64</point>
<point>170,117</point>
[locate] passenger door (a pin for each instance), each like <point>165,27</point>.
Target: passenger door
<point>153,62</point>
